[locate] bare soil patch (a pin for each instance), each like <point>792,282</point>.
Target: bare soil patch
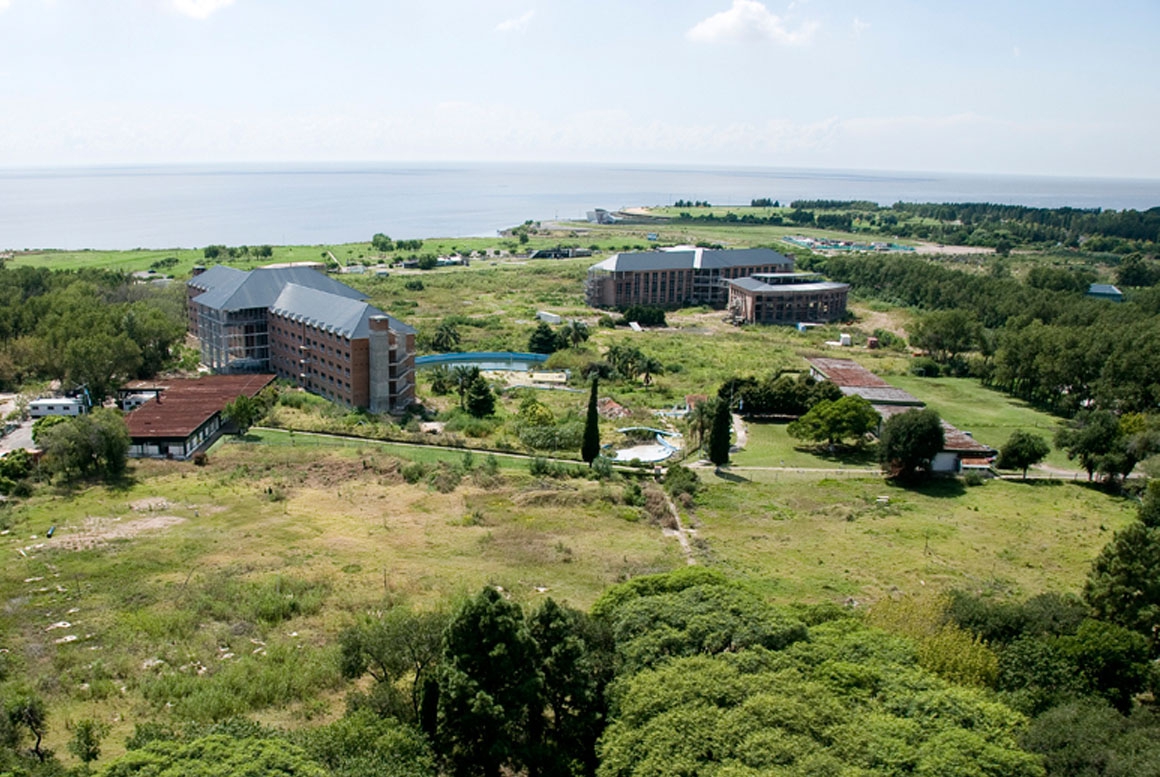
<point>96,532</point>
<point>936,248</point>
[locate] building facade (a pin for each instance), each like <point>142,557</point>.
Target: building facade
<point>787,298</point>
<point>306,327</point>
<point>676,277</point>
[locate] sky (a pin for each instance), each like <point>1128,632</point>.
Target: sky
<point>993,86</point>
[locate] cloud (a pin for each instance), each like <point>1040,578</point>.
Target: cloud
<point>860,27</point>
<point>197,9</point>
<point>5,5</point>
<point>516,23</point>
<point>749,21</point>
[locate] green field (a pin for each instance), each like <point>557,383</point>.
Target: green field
<point>178,565</point>
<point>990,416</point>
<point>831,539</point>
<point>769,445</point>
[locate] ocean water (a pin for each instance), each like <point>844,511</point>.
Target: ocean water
<point>191,206</point>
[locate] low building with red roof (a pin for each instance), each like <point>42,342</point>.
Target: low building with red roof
<point>184,414</point>
<point>854,379</point>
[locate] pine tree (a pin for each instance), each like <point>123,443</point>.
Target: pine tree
<point>719,434</point>
<point>488,687</point>
<point>479,401</point>
<point>590,448</point>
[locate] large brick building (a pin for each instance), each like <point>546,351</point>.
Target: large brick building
<point>303,326</point>
<point>676,277</point>
<point>787,298</point>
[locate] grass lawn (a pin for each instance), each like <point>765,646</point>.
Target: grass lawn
<point>991,416</point>
<point>828,540</point>
<point>769,445</point>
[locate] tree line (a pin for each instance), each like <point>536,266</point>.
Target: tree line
<point>1054,348</point>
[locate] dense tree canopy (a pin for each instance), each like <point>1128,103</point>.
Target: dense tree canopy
<point>1058,349</point>
<point>92,328</point>
<point>848,418</point>
<point>909,442</point>
<point>488,687</point>
<point>1124,583</point>
<point>850,697</point>
<point>96,443</point>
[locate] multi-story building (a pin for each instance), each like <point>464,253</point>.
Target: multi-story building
<point>787,298</point>
<point>303,326</point>
<point>677,276</point>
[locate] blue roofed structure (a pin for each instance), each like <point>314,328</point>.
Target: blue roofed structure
<point>1105,291</point>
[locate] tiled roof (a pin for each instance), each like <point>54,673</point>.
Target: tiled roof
<point>756,286</point>
<point>954,440</point>
<point>847,374</point>
<point>187,403</point>
<point>1106,289</point>
<point>887,395</point>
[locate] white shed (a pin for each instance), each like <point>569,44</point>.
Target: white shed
<point>42,408</point>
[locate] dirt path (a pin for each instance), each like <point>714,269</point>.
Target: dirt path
<point>680,532</point>
<point>742,433</point>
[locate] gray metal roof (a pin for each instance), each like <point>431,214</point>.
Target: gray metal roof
<point>885,395</point>
<point>751,284</point>
<point>1106,289</point>
<point>692,258</point>
<point>343,316</point>
<point>218,276</point>
<point>742,257</point>
<point>230,289</point>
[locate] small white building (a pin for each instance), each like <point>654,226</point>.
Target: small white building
<point>66,406</point>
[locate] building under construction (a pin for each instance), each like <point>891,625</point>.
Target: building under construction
<point>676,277</point>
<point>303,326</point>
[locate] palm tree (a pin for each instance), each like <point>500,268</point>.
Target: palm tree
<point>700,420</point>
<point>576,332</point>
<point>463,376</point>
<point>446,337</point>
<point>649,365</point>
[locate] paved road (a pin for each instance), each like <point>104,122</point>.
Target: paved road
<point>21,437</point>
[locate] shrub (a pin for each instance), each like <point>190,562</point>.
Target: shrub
<point>681,480</point>
<point>445,478</point>
<point>414,471</point>
<point>974,478</point>
<point>925,367</point>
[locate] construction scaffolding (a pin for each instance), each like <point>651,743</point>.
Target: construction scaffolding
<point>234,341</point>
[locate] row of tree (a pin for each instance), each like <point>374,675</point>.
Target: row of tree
<point>1057,349</point>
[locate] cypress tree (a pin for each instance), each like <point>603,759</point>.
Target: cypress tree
<point>590,447</point>
<point>719,433</point>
